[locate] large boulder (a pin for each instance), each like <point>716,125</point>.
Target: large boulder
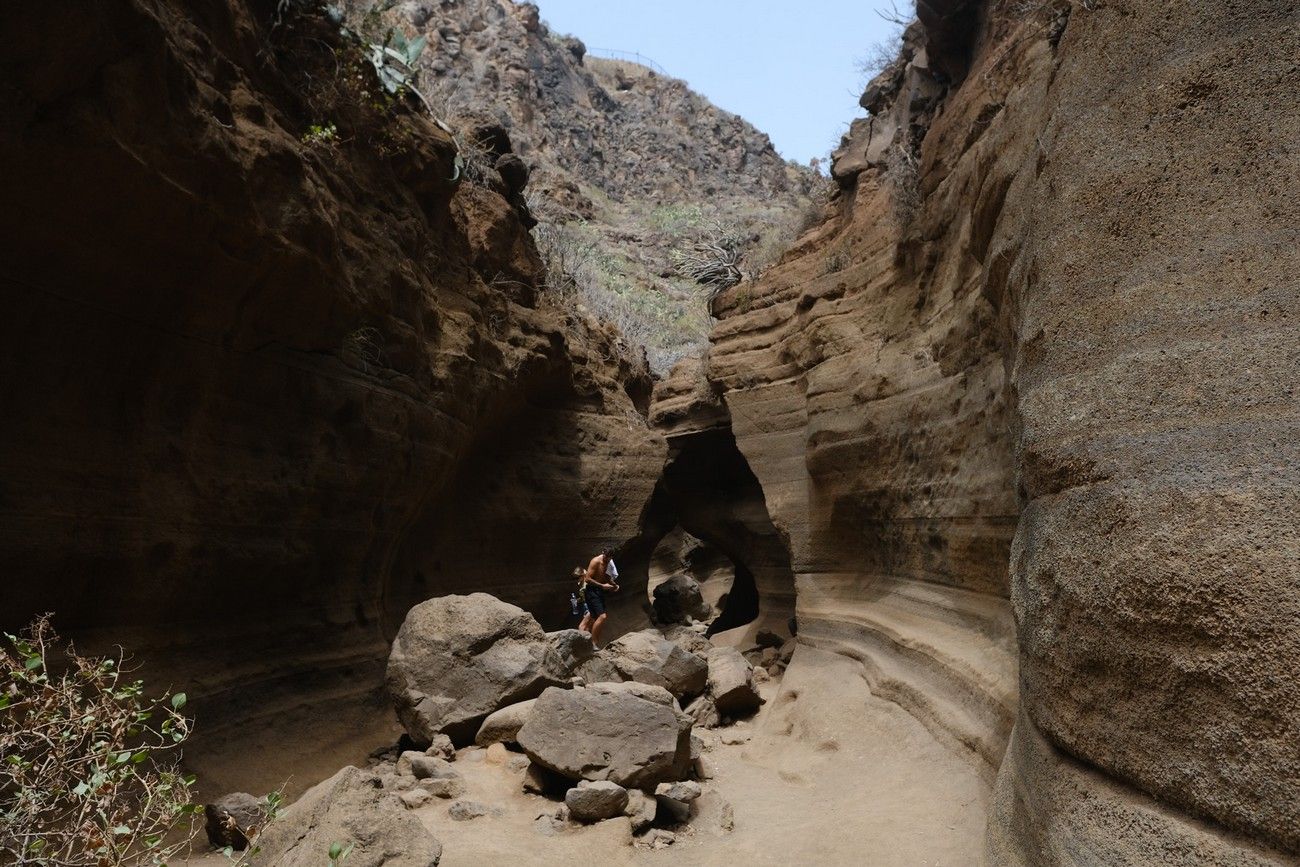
<point>731,682</point>
<point>350,809</point>
<point>649,658</point>
<point>628,733</point>
<point>502,727</point>
<point>679,600</point>
<point>457,659</point>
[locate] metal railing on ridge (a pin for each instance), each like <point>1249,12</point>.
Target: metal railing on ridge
<point>628,56</point>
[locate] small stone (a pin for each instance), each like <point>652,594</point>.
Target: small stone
<point>787,650</point>
<point>447,787</point>
<point>761,675</point>
<point>661,839</point>
<point>497,754</point>
<point>596,801</point>
<point>463,811</point>
<point>704,769</point>
<point>442,748</point>
<point>396,783</point>
<point>413,798</point>
<point>684,791</point>
<point>517,763</point>
<point>232,817</point>
<point>768,656</point>
<point>424,767</point>
<point>734,738</point>
<point>641,809</point>
<point>703,711</point>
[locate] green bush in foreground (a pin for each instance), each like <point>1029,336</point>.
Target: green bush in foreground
<point>88,764</point>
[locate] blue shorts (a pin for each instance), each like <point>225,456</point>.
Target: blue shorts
<point>595,599</point>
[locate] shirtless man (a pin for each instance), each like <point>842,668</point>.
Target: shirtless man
<point>601,575</point>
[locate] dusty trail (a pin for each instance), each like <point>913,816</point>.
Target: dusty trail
<point>829,773</point>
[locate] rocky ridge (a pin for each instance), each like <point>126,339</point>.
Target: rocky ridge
<point>628,164</point>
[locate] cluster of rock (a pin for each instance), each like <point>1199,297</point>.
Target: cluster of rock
<point>605,731</point>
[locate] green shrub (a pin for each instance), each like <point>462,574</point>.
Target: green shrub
<point>89,773</point>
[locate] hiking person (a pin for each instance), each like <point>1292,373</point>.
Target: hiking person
<point>600,575</point>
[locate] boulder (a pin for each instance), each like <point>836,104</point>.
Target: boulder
<point>595,801</point>
<point>352,809</point>
<point>572,648</point>
<point>502,726</point>
<point>679,600</point>
<point>731,682</point>
<point>641,809</point>
<point>631,734</point>
<point>230,819</point>
<point>457,659</point>
<point>689,638</point>
<point>514,172</point>
<point>649,658</point>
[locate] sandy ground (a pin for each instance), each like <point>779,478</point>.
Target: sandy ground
<point>827,773</point>
<point>830,774</point>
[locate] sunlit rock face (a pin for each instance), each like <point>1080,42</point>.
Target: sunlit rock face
<point>1033,375</point>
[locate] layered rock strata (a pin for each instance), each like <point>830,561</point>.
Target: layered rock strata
<point>1050,325</point>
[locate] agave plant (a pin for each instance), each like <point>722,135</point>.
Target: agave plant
<point>396,59</point>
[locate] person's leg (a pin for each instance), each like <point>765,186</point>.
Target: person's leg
<point>585,625</point>
<point>596,629</point>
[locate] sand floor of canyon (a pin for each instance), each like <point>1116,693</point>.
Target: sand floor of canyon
<point>828,773</point>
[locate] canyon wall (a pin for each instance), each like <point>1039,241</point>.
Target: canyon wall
<point>265,388</point>
<point>1034,375</point>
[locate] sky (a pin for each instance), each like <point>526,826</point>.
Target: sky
<point>790,69</point>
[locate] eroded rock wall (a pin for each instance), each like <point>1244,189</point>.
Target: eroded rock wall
<point>1056,299</point>
<point>245,371</point>
<point>1151,286</point>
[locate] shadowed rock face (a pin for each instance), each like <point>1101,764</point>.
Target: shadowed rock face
<point>245,375</point>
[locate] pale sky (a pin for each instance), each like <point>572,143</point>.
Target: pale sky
<point>788,68</point>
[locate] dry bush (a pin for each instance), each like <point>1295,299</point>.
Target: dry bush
<point>714,258</point>
<point>902,175</point>
<point>89,774</point>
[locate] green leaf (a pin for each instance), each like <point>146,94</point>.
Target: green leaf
<point>178,701</point>
<point>33,663</point>
<point>140,756</point>
<point>415,48</point>
<point>4,702</point>
<point>336,849</point>
<point>121,831</point>
<point>81,789</point>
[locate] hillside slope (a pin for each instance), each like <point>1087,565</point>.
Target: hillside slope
<point>632,163</point>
